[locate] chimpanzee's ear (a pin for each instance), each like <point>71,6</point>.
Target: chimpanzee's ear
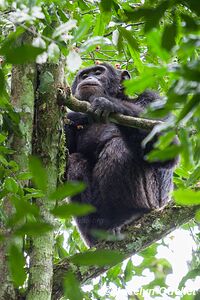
<point>125,75</point>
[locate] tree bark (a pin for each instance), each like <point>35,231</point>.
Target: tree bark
<point>46,138</point>
<point>22,99</point>
<point>137,236</point>
<point>84,106</point>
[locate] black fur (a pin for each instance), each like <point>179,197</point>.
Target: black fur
<point>109,158</point>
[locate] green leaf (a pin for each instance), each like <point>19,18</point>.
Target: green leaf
<point>163,155</point>
<point>190,275</point>
<point>85,25</point>
<point>128,36</point>
<point>169,36</point>
<point>17,265</point>
<point>197,216</point>
<point>153,16</point>
<point>191,23</point>
<point>165,140</point>
<point>188,107</point>
<point>129,271</point>
<point>72,290</point>
<point>38,172</point>
<point>99,27</point>
<point>10,185</point>
<point>193,5</point>
<point>68,189</point>
<point>106,5</point>
<point>72,209</point>
<point>83,5</point>
<point>2,82</point>
<point>93,42</point>
<point>154,41</point>
<point>149,76</point>
<point>23,207</point>
<point>187,151</point>
<point>3,160</point>
<point>186,197</point>
<point>33,228</point>
<point>63,15</point>
<point>98,258</point>
<point>2,138</point>
<point>21,55</point>
<point>24,176</point>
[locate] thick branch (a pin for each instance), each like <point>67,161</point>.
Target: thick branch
<point>138,235</point>
<point>83,106</point>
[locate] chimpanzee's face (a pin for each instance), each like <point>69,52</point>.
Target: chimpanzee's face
<point>89,82</point>
<point>99,80</point>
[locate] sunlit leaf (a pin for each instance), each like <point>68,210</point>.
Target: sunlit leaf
<point>149,76</point>
<point>165,140</point>
<point>187,150</point>
<point>163,155</point>
<point>129,271</point>
<point>10,185</point>
<point>197,216</point>
<point>21,55</point>
<point>187,197</point>
<point>38,172</point>
<point>70,188</point>
<point>83,28</point>
<point>64,28</point>
<point>100,24</point>
<point>33,228</point>
<point>98,258</point>
<point>24,176</point>
<point>154,41</point>
<point>93,42</point>
<point>189,107</point>
<point>72,209</point>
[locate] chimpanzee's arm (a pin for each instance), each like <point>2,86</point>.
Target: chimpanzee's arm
<point>76,121</point>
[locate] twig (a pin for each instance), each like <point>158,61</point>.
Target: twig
<point>128,25</point>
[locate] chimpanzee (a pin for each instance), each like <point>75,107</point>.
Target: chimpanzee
<point>109,158</point>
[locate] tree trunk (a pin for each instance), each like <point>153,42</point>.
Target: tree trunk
<point>22,99</point>
<point>46,138</point>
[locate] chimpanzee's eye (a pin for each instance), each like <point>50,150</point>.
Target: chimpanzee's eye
<point>84,76</point>
<point>98,72</point>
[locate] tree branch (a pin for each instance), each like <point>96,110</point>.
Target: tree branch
<point>138,235</point>
<point>84,106</point>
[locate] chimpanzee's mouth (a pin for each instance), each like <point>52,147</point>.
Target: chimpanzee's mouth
<point>89,84</point>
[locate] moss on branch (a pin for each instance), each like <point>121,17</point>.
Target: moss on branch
<point>137,236</point>
<point>65,98</point>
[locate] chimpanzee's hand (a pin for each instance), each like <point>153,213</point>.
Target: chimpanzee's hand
<point>75,119</point>
<point>102,107</point>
